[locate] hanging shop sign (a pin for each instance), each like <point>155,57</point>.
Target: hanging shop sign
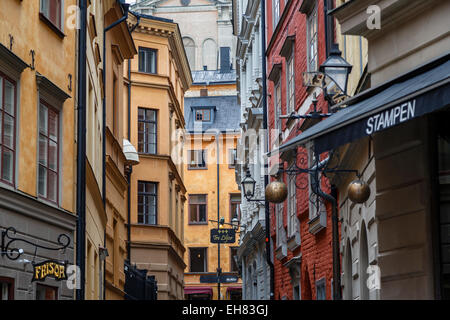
<point>214,279</point>
<point>49,268</point>
<point>223,236</point>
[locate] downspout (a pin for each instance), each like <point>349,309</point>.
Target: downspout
<point>219,270</point>
<point>131,168</point>
<point>331,198</point>
<point>124,18</point>
<point>266,169</point>
<point>81,151</point>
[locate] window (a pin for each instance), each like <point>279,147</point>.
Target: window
<point>189,47</point>
<point>52,10</point>
<point>292,208</point>
<point>203,115</point>
<point>147,60</point>
<point>6,289</point>
<point>147,131</point>
<point>7,129</point>
<point>232,158</point>
<point>278,105</point>
<point>297,292</point>
<point>235,206</point>
<point>290,84</point>
<point>276,12</point>
<point>46,292</point>
<point>312,40</point>
<point>198,260</point>
<point>48,174</point>
<point>147,202</point>
<point>320,289</point>
<point>233,252</point>
<point>197,159</point>
<point>279,221</point>
<point>198,209</point>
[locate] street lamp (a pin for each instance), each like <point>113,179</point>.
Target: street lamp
<point>248,186</point>
<point>337,68</point>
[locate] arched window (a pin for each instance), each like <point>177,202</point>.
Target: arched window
<point>348,285</point>
<point>364,258</point>
<point>189,47</point>
<point>209,54</point>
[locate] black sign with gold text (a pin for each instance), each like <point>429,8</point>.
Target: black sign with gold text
<point>49,268</point>
<point>223,236</point>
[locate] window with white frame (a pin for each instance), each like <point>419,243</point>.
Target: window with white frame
<point>279,222</point>
<point>316,206</point>
<point>276,12</point>
<point>312,40</point>
<point>290,83</point>
<point>292,208</point>
<point>278,105</point>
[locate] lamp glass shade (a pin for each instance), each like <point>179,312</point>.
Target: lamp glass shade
<point>337,69</point>
<point>248,186</point>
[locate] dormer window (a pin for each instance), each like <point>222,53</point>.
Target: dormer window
<point>203,115</point>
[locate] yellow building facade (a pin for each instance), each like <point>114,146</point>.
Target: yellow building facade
<point>119,47</point>
<point>159,77</point>
<point>212,124</point>
<point>215,198</point>
<point>37,148</point>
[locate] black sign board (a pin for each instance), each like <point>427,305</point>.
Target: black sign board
<point>223,279</point>
<point>223,236</point>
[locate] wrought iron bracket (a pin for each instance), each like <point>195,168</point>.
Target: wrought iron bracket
<point>8,238</point>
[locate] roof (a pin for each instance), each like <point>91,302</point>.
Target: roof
<point>213,76</point>
<point>226,118</point>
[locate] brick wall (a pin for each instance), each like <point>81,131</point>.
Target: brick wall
<point>316,249</point>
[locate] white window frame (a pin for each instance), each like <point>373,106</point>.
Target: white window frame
<point>292,206</point>
<point>279,208</point>
<point>290,83</point>
<point>276,6</point>
<point>312,42</point>
<point>277,104</point>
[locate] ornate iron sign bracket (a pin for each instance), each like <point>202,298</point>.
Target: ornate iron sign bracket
<point>8,238</point>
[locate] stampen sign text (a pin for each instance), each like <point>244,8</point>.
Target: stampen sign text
<point>391,117</point>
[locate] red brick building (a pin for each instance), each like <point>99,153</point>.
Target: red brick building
<point>301,228</point>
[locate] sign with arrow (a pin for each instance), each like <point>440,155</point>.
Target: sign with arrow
<point>223,236</point>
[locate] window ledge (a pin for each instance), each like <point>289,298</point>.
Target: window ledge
<point>197,168</point>
<point>281,252</point>
<point>198,223</point>
<point>51,25</point>
<point>294,241</point>
<point>318,223</point>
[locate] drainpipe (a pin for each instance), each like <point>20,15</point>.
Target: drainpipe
<point>266,174</point>
<point>131,168</point>
<point>219,270</point>
<point>81,152</point>
<point>124,18</point>
<point>331,198</point>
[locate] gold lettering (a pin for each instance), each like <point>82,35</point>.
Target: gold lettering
<point>36,271</point>
<point>62,273</point>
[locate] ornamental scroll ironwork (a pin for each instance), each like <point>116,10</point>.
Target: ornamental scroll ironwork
<point>8,238</point>
<point>305,168</point>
